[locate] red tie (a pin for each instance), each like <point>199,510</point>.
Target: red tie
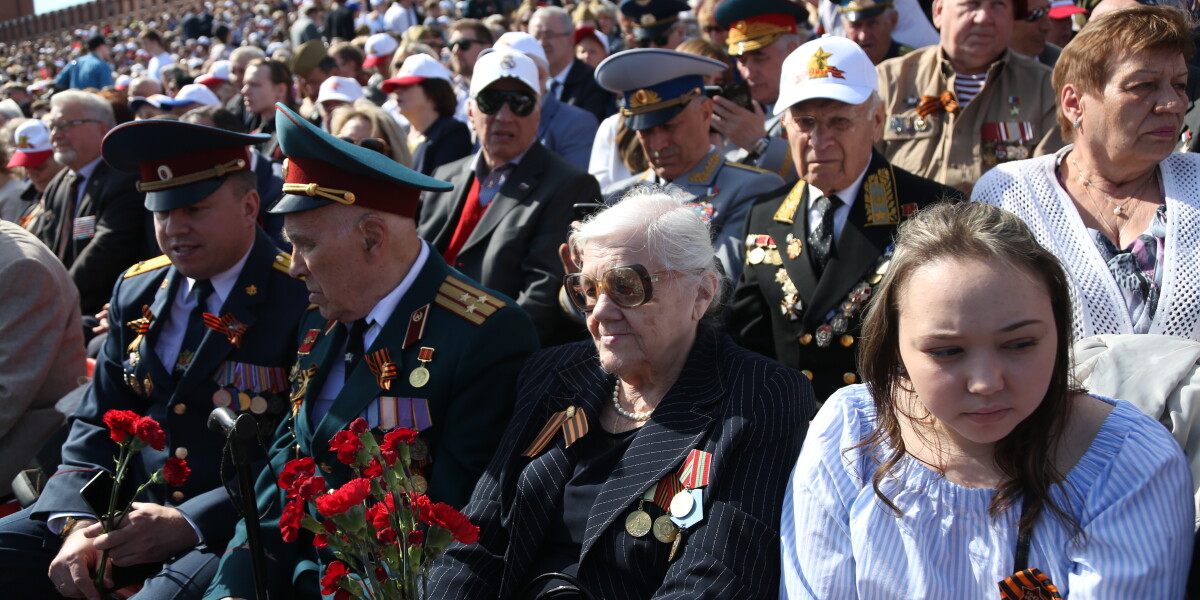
<point>471,214</point>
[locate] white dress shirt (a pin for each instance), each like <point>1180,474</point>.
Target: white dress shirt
<point>842,212</point>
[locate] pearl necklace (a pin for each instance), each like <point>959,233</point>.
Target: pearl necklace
<point>1118,207</point>
<point>632,416</point>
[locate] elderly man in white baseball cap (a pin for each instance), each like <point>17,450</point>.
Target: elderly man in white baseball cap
<point>814,248</point>
<point>512,203</point>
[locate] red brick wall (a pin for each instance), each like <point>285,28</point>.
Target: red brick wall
<point>17,21</point>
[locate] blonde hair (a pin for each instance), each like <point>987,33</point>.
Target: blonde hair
<point>383,126</point>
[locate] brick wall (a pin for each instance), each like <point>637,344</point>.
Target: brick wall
<point>17,21</point>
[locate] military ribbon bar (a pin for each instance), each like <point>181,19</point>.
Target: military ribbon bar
<point>228,325</point>
<point>573,423</point>
<point>665,490</point>
<point>388,413</point>
<point>1028,584</point>
<point>382,367</point>
<point>694,473</point>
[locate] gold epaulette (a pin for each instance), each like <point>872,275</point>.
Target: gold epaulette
<point>746,167</point>
<point>312,306</point>
<point>147,265</point>
<point>467,301</point>
<point>786,213</point>
<point>283,262</point>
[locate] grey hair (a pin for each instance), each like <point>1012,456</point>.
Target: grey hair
<point>252,51</point>
<point>556,13</point>
<point>658,222</point>
<point>97,107</point>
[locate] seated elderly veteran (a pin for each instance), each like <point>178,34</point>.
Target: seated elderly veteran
<point>650,461</point>
<point>1118,207</point>
<point>394,336</point>
<point>511,204</point>
<point>815,249</point>
<point>162,358</point>
<point>662,99</point>
<point>961,107</point>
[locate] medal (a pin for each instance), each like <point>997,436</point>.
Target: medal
<point>756,255</point>
<point>682,504</point>
<point>243,401</point>
<point>638,522</point>
<point>134,358</point>
<point>420,375</point>
<point>793,246</point>
<point>148,385</point>
<point>222,398</point>
<point>675,546</point>
<point>419,450</point>
<point>258,405</point>
<point>251,290</point>
<point>420,484</point>
<point>664,530</point>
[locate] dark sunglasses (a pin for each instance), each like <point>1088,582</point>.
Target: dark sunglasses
<point>1036,15</point>
<point>654,42</point>
<point>491,101</point>
<point>464,45</point>
<point>713,29</point>
<point>628,286</point>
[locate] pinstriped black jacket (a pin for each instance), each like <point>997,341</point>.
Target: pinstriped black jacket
<point>751,413</point>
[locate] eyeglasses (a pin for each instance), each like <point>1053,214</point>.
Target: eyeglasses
<point>491,101</point>
<point>628,286</point>
<point>654,42</point>
<point>714,30</point>
<point>547,35</point>
<point>464,45</point>
<point>68,124</point>
<point>1036,15</point>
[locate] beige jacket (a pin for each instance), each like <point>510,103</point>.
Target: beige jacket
<point>1011,119</point>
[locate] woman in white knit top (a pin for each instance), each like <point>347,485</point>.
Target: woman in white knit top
<point>1120,208</point>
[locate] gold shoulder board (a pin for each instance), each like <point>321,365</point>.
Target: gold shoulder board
<point>148,265</point>
<point>467,301</point>
<point>746,167</point>
<point>283,262</point>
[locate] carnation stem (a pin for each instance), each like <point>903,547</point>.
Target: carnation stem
<point>109,520</point>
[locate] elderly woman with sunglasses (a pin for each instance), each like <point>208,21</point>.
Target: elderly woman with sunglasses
<point>650,461</point>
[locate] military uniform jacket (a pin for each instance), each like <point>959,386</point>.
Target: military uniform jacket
<point>1011,119</point>
<point>782,310</point>
<point>722,193</point>
<point>129,376</point>
<point>778,156</point>
<point>749,413</point>
<point>479,339</point>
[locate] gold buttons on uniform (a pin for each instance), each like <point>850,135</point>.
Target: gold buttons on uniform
<point>180,408</point>
<point>849,378</point>
<point>847,340</point>
<point>177,496</point>
<point>807,373</point>
<point>181,452</point>
<point>325,467</point>
<point>805,340</point>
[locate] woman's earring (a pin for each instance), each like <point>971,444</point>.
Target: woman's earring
<point>1078,123</point>
<point>901,371</point>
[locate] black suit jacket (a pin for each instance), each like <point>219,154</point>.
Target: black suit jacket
<point>446,140</point>
<point>339,23</point>
<point>580,89</point>
<point>121,235</point>
<point>514,248</point>
<point>756,316</point>
<point>750,413</point>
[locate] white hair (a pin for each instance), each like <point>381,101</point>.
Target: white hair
<point>96,107</point>
<point>556,13</point>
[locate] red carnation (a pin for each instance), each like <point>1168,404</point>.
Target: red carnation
<point>381,574</point>
<point>309,488</point>
<point>377,514</point>
<point>176,471</point>
<point>416,538</point>
<point>373,469</point>
<point>347,445</point>
<point>344,498</point>
<point>445,516</point>
<point>334,573</point>
<point>321,541</point>
<point>295,470</point>
<point>359,426</point>
<point>289,523</point>
<point>150,433</point>
<point>400,435</point>
<point>385,536</point>
<point>329,526</point>
<point>120,424</point>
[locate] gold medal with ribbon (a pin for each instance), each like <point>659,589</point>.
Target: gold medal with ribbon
<point>420,375</point>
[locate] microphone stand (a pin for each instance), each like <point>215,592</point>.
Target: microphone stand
<point>241,434</point>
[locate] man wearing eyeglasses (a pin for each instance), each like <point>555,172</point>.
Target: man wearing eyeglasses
<point>93,218</point>
<point>571,79</point>
<point>958,109</point>
<point>512,202</point>
<point>663,100</point>
<point>468,37</point>
<point>1030,34</point>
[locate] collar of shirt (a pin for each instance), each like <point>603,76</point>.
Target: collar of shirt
<point>222,284</point>
<point>842,212</point>
<point>561,77</point>
<point>85,172</point>
<point>387,305</point>
<point>489,177</point>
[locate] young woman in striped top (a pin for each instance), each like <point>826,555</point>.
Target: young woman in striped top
<point>968,459</point>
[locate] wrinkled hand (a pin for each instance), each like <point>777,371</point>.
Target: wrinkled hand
<point>103,317</point>
<point>71,570</point>
<point>738,125</point>
<point>149,533</point>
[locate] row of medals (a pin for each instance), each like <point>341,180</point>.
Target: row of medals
<point>142,388</point>
<point>638,523</point>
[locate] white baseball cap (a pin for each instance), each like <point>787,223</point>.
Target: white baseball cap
<point>32,144</point>
<point>829,67</point>
<point>193,93</point>
<point>379,49</point>
<point>416,68</point>
<point>217,74</point>
<point>339,88</point>
<point>525,44</point>
<point>499,64</point>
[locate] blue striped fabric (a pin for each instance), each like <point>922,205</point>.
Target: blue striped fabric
<point>1131,493</point>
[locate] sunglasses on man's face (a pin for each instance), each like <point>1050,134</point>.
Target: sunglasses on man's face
<point>654,42</point>
<point>629,286</point>
<point>464,45</point>
<point>1036,15</point>
<point>491,101</point>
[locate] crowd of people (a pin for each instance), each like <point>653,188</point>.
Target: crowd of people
<point>708,299</point>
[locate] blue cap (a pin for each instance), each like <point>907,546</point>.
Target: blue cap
<point>321,169</point>
<point>652,18</point>
<point>180,163</point>
<point>655,84</point>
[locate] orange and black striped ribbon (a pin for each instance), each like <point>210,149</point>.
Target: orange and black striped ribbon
<point>228,325</point>
<point>140,327</point>
<point>1029,584</point>
<point>573,423</point>
<point>931,104</point>
<point>382,367</point>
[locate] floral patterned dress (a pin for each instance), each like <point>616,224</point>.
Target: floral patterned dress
<point>1137,268</point>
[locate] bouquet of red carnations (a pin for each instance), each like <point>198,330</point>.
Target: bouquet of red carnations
<point>382,532</point>
<point>132,433</point>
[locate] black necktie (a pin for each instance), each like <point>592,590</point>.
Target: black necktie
<point>67,232</point>
<point>820,240</point>
<point>354,345</point>
<point>193,333</point>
